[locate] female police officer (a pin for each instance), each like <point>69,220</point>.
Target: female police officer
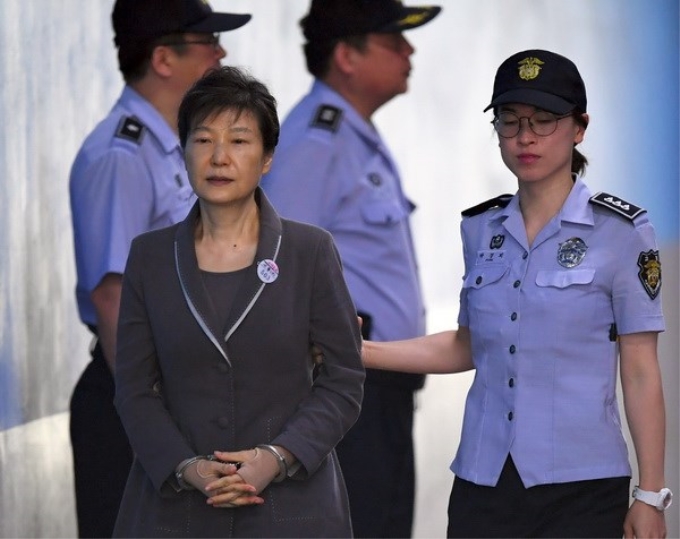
<point>558,283</point>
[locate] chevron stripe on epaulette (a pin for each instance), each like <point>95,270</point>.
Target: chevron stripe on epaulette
<point>500,201</point>
<point>628,210</point>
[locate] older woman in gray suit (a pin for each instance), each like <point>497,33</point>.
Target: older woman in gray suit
<point>232,424</point>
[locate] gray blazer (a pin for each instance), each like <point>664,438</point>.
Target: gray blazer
<point>185,386</point>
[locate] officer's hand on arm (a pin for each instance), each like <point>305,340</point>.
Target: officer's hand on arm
<point>317,354</point>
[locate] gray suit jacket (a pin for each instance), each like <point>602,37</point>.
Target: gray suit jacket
<point>186,387</point>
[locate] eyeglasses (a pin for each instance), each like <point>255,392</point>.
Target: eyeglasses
<point>541,123</point>
<point>213,41</point>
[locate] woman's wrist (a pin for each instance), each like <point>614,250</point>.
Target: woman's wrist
<point>185,468</point>
<point>280,461</point>
<point>261,470</point>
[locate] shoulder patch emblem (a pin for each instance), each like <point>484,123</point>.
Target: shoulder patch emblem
<point>628,210</point>
<point>327,117</point>
<point>650,272</point>
<point>131,129</point>
<point>500,201</point>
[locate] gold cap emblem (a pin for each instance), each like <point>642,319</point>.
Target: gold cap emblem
<point>415,19</point>
<point>529,68</point>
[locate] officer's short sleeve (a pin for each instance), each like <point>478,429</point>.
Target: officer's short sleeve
<point>112,201</point>
<point>636,287</point>
<point>463,319</point>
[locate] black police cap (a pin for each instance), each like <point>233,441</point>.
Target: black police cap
<point>135,20</point>
<point>333,19</point>
<point>542,79</point>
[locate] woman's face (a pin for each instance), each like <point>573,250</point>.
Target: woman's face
<point>533,157</point>
<point>225,158</point>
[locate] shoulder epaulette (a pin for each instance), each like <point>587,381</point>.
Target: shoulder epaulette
<point>327,117</point>
<point>628,210</point>
<point>499,201</point>
<point>130,128</point>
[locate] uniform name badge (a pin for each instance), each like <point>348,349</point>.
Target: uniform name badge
<point>488,256</point>
<point>571,252</point>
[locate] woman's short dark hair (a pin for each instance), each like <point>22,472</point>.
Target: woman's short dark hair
<point>229,88</point>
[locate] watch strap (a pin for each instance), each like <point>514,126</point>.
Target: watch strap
<point>660,500</point>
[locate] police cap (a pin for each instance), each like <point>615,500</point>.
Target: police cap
<point>138,20</point>
<point>333,19</point>
<point>542,79</point>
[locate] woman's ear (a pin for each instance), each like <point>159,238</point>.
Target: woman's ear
<point>267,165</point>
<point>581,129</point>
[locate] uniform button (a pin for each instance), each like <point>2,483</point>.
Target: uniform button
<point>511,382</point>
<point>513,316</point>
<point>157,388</point>
<point>509,416</point>
<point>512,349</point>
<point>478,280</point>
<point>223,422</point>
<point>516,283</point>
<point>525,255</point>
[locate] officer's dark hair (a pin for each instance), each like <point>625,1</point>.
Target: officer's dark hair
<point>134,55</point>
<point>318,54</point>
<point>229,88</point>
<point>579,162</point>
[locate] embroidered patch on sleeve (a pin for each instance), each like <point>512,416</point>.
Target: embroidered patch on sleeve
<point>650,272</point>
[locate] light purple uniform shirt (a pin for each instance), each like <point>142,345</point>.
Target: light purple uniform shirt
<point>332,169</point>
<point>123,182</point>
<point>546,368</point>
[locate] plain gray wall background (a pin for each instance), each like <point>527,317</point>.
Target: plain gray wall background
<point>59,77</point>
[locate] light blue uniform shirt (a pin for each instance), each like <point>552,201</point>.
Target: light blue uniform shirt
<point>128,177</point>
<point>546,367</point>
<point>332,169</point>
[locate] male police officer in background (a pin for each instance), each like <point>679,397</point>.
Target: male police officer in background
<point>333,169</point>
<point>127,178</point>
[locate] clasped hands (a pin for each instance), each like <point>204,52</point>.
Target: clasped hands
<point>235,479</point>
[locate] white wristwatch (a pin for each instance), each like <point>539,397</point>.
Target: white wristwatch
<point>661,500</point>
